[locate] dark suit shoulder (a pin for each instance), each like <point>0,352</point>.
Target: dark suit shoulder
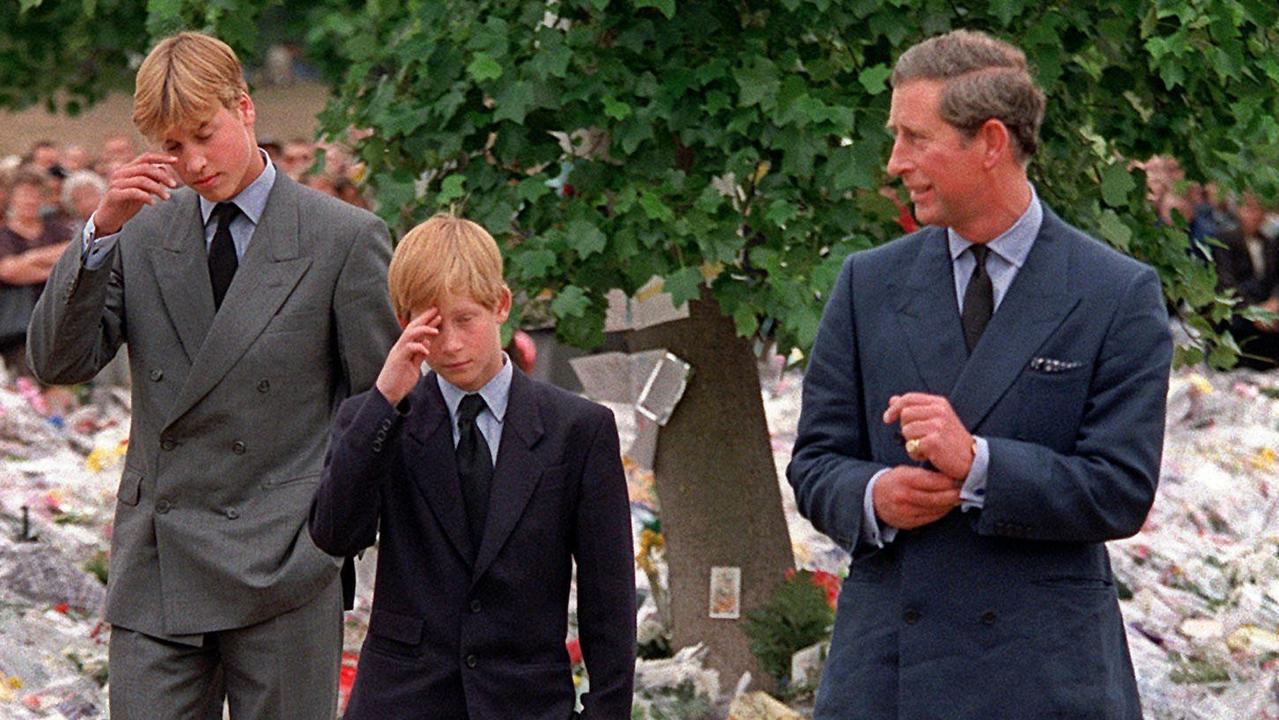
<point>1097,262</point>
<point>894,254</point>
<point>566,405</point>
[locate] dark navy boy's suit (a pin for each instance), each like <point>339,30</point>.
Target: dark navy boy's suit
<point>460,632</point>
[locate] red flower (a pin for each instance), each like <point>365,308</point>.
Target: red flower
<point>830,583</point>
<point>62,608</point>
<point>574,647</point>
<point>346,678</point>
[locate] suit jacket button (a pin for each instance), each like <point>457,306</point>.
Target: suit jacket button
<point>264,385</point>
<point>471,661</point>
<point>232,513</point>
<point>157,375</point>
<point>475,606</point>
<point>377,446</point>
<point>988,617</point>
<point>911,616</point>
<point>162,506</point>
<point>166,444</point>
<point>238,447</point>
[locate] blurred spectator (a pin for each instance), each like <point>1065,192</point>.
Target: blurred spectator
<point>44,155</point>
<point>75,158</point>
<point>81,194</point>
<point>321,182</point>
<point>1248,263</point>
<point>116,151</point>
<point>297,158</point>
<point>29,247</point>
<point>273,150</point>
<point>347,190</point>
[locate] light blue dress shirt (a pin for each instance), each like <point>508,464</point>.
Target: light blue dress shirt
<point>495,392</point>
<point>1008,252</point>
<point>251,201</point>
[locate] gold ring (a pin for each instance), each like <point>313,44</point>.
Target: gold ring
<point>912,446</point>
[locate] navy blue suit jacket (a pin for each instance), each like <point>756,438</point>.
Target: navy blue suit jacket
<point>461,632</point>
<point>1009,611</point>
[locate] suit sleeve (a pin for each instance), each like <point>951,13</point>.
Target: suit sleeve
<point>831,467</point>
<point>366,325</point>
<point>1104,489</point>
<point>604,554</point>
<point>78,324</point>
<point>347,503</point>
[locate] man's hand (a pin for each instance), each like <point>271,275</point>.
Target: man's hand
<point>907,497</point>
<point>403,365</point>
<point>933,432</point>
<point>142,181</point>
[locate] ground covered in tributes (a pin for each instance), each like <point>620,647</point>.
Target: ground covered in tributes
<point>1200,584</point>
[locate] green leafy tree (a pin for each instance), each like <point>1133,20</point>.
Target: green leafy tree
<point>734,151</point>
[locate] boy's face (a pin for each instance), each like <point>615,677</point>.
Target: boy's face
<point>217,157</point>
<point>468,350</point>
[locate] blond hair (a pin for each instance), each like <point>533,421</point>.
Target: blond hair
<point>181,81</point>
<point>445,255</point>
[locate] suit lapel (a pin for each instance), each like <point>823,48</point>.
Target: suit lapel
<point>436,475</point>
<point>182,273</point>
<point>270,269</point>
<point>1036,304</point>
<point>516,473</point>
<point>929,316</point>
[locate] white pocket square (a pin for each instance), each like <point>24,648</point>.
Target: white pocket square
<point>1053,365</point>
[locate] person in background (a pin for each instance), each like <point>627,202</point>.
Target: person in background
<point>81,193</point>
<point>1247,262</point>
<point>29,247</point>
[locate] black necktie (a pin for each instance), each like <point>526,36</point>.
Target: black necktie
<point>474,465</point>
<point>979,299</point>
<point>222,260</point>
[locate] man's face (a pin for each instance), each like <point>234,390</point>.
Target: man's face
<point>25,202</point>
<point>938,165</point>
<point>297,159</point>
<point>468,350</point>
<point>217,157</point>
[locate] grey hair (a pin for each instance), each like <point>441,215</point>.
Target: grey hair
<point>79,179</point>
<point>984,78</point>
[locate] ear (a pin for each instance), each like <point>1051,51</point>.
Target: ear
<point>997,142</point>
<point>248,113</point>
<point>503,309</point>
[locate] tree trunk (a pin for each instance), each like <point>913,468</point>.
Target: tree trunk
<point>717,486</point>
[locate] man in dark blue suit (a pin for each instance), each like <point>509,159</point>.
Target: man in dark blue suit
<point>486,488</point>
<point>983,410</point>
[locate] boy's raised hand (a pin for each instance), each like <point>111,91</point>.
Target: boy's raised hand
<point>142,181</point>
<point>403,364</point>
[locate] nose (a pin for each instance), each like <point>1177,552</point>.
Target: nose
<point>195,164</point>
<point>897,161</point>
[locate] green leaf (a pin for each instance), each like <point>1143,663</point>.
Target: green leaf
<point>484,67</point>
<point>1116,184</point>
<point>780,212</point>
<point>514,102</point>
<point>1114,231</point>
<point>745,320</point>
<point>585,238</point>
<point>654,208</point>
<point>570,302</point>
<point>451,189</point>
<point>758,84</point>
<point>616,109</point>
<point>875,78</point>
<point>532,264</point>
<point>666,7</point>
<point>684,285</point>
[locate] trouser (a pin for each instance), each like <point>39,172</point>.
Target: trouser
<point>284,668</point>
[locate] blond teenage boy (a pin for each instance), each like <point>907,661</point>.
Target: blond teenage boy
<point>252,307</point>
<point>484,487</point>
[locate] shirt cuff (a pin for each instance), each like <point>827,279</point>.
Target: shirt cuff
<point>973,493</point>
<point>95,250</point>
<point>871,531</point>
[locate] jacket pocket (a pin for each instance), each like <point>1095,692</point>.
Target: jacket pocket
<point>281,482</point>
<point>130,487</point>
<point>394,633</point>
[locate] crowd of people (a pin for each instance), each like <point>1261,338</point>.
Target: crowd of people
<point>48,194</point>
<point>1238,234</point>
